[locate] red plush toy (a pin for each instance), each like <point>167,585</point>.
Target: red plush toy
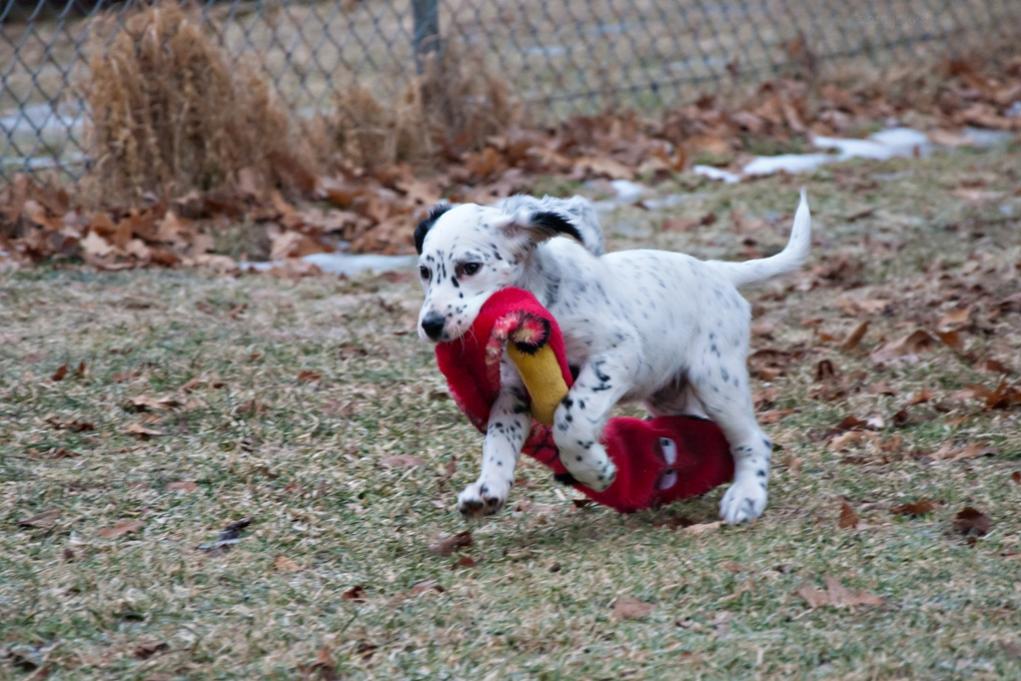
<point>658,460</point>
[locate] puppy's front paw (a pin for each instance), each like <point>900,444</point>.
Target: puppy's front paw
<point>744,501</point>
<point>482,498</point>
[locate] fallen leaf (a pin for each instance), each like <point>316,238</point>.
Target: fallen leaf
<point>848,518</point>
<point>702,528</point>
<point>1016,477</point>
<point>955,320</point>
<point>466,562</point>
<point>950,452</point>
<point>855,337</point>
<point>426,586</point>
<point>915,508</point>
<point>836,595</point>
<point>308,376</point>
<point>120,529</point>
<point>447,544</point>
<point>149,403</point>
<point>182,486</point>
<point>825,371</point>
<point>141,431</point>
<point>923,395</point>
<point>972,523</point>
<point>46,520</point>
<point>285,564</point>
<point>626,608</point>
<point>401,461</point>
<point>355,593</point>
<point>60,373</point>
<point>906,347</point>
<point>145,650</point>
<point>74,425</point>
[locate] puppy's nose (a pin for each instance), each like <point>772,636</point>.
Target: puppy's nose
<point>432,324</point>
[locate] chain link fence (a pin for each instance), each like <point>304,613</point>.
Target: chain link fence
<point>559,56</point>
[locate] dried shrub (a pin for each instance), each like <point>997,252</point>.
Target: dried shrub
<point>454,106</point>
<point>171,113</point>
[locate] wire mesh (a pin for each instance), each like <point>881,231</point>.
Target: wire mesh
<point>560,56</point>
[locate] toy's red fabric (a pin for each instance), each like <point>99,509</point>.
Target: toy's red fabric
<point>658,460</point>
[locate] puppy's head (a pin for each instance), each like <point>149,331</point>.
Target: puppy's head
<point>469,252</point>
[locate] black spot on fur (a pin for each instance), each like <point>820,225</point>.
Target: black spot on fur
<point>425,225</point>
<point>565,478</point>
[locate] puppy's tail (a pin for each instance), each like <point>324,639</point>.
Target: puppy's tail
<point>787,260</point>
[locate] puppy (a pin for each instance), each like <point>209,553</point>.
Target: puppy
<point>664,328</point>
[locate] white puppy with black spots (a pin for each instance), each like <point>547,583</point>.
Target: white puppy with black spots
<point>656,326</point>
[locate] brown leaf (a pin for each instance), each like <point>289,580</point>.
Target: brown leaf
<point>447,544</point>
<point>74,425</point>
<point>907,347</point>
<point>60,373</point>
<point>291,244</point>
<point>355,593</point>
<point>825,371</point>
<point>702,528</point>
<point>426,586</point>
<point>46,520</point>
<point>401,461</point>
<point>971,522</point>
<point>465,561</point>
<point>954,320</point>
<point>182,486</point>
<point>950,452</point>
<point>915,508</point>
<point>626,608</point>
<point>120,529</point>
<point>836,595</point>
<point>149,403</point>
<point>146,649</point>
<point>285,564</point>
<point>848,518</point>
<point>309,376</point>
<point>142,431</point>
<point>854,338</point>
<point>1016,477</point>
<point>923,395</point>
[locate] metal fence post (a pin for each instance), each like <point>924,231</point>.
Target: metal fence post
<point>426,39</point>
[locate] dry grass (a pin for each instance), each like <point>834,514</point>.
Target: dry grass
<point>171,113</point>
<point>307,460</point>
<point>454,106</point>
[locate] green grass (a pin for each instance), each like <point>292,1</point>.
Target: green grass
<point>304,461</point>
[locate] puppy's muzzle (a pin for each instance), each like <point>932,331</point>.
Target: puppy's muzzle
<point>432,324</point>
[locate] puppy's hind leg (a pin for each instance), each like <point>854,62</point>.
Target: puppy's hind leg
<point>721,385</point>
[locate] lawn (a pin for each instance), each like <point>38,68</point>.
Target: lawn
<point>143,412</point>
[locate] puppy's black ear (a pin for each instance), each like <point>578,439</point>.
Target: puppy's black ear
<point>532,227</point>
<point>425,225</point>
<point>554,224</point>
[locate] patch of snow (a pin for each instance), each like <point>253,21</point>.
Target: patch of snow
<point>346,264</point>
<point>671,200</point>
<point>628,191</point>
<point>715,174</point>
<point>852,148</point>
<point>903,141</point>
<point>788,163</point>
<point>983,137</point>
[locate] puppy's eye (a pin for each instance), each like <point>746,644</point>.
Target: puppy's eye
<point>424,272</point>
<point>466,269</point>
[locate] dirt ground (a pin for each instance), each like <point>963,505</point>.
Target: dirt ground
<point>143,412</point>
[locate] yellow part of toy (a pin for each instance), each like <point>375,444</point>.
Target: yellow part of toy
<point>541,374</point>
